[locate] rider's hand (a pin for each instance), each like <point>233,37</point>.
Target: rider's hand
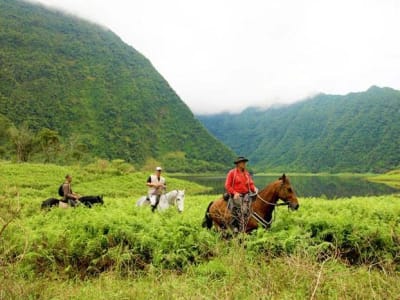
<point>236,196</point>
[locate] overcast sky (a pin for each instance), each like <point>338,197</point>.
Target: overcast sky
<point>225,55</point>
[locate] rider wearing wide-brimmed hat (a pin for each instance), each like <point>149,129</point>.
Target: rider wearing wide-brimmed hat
<point>238,183</point>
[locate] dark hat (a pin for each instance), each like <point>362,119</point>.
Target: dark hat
<point>240,159</point>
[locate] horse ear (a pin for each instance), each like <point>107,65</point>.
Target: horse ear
<point>283,178</point>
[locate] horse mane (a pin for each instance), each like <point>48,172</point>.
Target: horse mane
<point>282,178</point>
<point>269,186</point>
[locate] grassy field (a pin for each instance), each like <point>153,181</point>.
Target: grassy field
<point>391,178</point>
<point>341,249</point>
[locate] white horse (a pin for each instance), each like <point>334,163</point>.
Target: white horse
<point>175,197</point>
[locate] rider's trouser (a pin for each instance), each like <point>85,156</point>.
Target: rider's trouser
<point>71,202</point>
<point>154,200</point>
<point>236,208</point>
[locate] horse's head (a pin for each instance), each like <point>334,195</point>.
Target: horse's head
<point>180,200</point>
<point>286,193</point>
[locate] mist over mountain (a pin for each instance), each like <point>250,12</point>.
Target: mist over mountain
<point>94,91</point>
<point>357,132</point>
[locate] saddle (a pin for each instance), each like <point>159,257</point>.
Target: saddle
<point>226,196</point>
<point>243,210</point>
<point>240,211</point>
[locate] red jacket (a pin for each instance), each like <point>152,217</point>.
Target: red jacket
<point>239,182</point>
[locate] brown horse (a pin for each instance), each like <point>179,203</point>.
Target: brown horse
<point>261,207</point>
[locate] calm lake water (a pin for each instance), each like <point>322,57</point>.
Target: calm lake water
<point>330,187</point>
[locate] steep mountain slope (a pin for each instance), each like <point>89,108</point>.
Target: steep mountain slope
<point>358,132</point>
<point>80,79</point>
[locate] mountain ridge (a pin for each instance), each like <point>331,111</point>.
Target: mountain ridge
<point>81,80</point>
<point>356,132</point>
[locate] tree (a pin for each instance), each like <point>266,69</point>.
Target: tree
<point>4,136</point>
<point>23,140</point>
<point>49,142</point>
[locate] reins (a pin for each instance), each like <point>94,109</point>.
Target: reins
<point>271,203</point>
<point>262,221</point>
<point>176,196</point>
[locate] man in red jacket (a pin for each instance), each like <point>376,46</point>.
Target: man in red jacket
<point>238,184</point>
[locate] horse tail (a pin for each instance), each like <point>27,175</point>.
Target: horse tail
<point>207,221</point>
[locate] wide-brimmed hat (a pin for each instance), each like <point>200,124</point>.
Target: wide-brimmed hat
<point>240,159</point>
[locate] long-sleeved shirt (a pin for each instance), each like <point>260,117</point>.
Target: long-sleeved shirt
<point>238,181</point>
<point>67,191</point>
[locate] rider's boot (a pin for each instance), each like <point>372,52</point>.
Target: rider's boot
<point>153,207</point>
<point>72,202</point>
<point>235,223</point>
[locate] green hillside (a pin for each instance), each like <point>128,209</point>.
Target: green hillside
<point>358,132</point>
<point>95,94</point>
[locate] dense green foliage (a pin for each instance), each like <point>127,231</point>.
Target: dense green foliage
<point>95,94</point>
<point>358,132</point>
<point>344,248</point>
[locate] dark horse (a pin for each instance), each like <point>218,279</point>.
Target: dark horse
<point>261,207</point>
<point>90,200</point>
<point>86,200</point>
<point>49,203</point>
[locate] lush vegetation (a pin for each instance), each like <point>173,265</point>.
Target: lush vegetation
<point>357,132</point>
<point>71,90</point>
<point>344,248</point>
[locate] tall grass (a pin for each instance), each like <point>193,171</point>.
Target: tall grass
<point>347,248</point>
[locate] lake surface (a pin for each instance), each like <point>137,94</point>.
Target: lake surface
<point>329,187</point>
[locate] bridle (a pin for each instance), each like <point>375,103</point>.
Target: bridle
<point>286,202</point>
<point>271,203</point>
<point>180,196</point>
<point>261,220</point>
